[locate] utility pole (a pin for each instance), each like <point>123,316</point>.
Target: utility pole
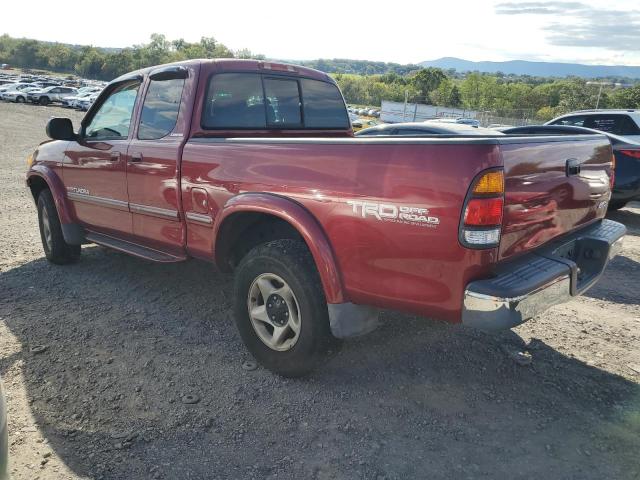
<point>406,98</point>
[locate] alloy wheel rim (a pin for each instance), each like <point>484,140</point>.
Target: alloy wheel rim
<point>46,228</point>
<point>274,312</point>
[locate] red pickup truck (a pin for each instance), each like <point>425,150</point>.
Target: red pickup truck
<point>253,166</point>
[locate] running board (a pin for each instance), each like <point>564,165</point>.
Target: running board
<point>133,249</point>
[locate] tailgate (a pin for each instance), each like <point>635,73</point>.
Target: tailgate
<point>553,185</point>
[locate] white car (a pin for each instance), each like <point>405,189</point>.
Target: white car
<point>459,120</point>
<point>16,87</point>
<point>86,102</point>
<point>17,96</point>
<point>50,94</point>
<point>73,100</point>
<point>624,123</point>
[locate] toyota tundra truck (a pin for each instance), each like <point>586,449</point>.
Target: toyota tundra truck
<point>253,166</point>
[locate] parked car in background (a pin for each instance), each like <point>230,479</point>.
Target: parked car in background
<point>50,95</point>
<point>626,187</point>
<point>85,103</point>
<point>423,128</point>
<point>353,116</point>
<point>624,123</point>
<point>17,87</point>
<point>73,101</point>
<point>460,120</point>
<point>361,123</point>
<point>17,96</point>
<point>4,439</point>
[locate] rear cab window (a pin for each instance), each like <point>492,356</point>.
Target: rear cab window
<point>266,101</point>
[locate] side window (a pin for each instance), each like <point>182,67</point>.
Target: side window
<point>323,105</point>
<point>54,90</point>
<point>234,100</point>
<point>113,118</point>
<point>160,108</point>
<point>628,126</point>
<point>577,121</point>
<point>283,102</point>
<point>604,123</point>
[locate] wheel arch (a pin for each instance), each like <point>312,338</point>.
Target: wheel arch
<point>41,177</point>
<point>288,219</point>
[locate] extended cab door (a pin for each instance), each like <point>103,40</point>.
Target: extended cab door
<point>153,163</point>
<point>95,166</point>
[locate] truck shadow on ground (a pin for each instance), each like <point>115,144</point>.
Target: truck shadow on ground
<point>140,374</point>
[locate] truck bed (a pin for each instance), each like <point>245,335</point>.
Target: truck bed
<point>385,262</point>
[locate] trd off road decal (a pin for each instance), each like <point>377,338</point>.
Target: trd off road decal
<point>386,212</point>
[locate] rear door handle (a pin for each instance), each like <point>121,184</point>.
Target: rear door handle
<point>136,157</point>
<point>114,157</point>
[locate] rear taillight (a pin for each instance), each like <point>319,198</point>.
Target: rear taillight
<point>481,221</point>
<point>612,177</point>
<point>631,153</point>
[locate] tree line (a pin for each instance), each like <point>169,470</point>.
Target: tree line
<point>362,82</point>
<point>500,95</point>
<point>107,64</point>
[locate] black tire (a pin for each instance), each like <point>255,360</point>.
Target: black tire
<point>616,205</point>
<point>55,248</point>
<point>44,101</point>
<point>20,100</point>
<point>292,262</point>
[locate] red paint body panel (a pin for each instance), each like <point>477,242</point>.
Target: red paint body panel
<point>392,265</point>
<point>541,201</point>
<point>336,191</point>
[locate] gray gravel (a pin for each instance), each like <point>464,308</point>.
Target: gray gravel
<point>120,369</point>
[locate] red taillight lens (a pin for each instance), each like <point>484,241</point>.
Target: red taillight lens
<point>481,212</point>
<point>631,153</point>
<point>612,177</point>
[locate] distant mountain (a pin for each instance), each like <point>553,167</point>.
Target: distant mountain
<point>536,69</point>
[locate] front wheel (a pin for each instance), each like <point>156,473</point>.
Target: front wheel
<point>280,308</point>
<point>55,248</point>
<point>20,100</point>
<point>44,101</point>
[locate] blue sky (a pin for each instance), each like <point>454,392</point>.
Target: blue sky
<point>593,32</point>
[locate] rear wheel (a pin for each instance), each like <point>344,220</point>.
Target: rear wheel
<point>55,248</point>
<point>44,101</point>
<point>280,308</point>
<point>20,100</point>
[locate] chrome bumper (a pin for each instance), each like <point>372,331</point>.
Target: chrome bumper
<point>527,287</point>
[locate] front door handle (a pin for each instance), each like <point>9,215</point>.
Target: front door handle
<point>136,157</point>
<point>114,157</point>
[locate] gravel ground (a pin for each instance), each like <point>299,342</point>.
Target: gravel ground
<point>120,369</point>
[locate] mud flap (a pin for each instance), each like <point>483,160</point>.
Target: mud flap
<point>349,320</point>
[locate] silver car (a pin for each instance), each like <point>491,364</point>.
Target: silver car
<point>50,95</point>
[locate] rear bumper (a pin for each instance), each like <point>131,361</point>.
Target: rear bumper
<point>552,275</point>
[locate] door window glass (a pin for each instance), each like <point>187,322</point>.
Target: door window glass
<point>160,108</point>
<point>113,118</point>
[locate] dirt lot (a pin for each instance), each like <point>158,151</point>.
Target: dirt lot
<point>98,358</point>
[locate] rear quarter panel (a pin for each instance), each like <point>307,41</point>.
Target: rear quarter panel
<point>382,262</point>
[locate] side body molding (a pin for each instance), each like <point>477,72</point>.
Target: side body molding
<point>300,219</point>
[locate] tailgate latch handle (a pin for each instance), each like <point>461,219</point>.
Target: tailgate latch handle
<point>572,167</point>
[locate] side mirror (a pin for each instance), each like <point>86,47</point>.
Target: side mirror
<point>60,129</point>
